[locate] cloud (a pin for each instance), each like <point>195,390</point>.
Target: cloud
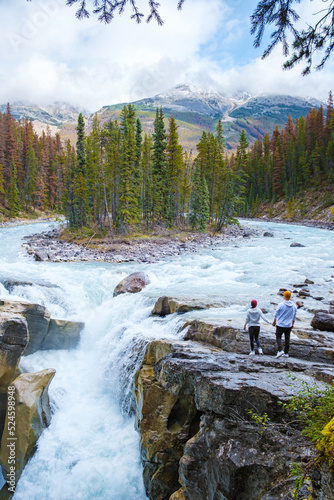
<point>51,55</point>
<point>48,55</point>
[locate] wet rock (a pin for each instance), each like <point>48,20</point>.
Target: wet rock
<point>323,321</point>
<point>44,332</point>
<point>32,416</point>
<point>282,290</point>
<point>133,283</point>
<point>268,234</point>
<point>62,334</point>
<point>41,255</point>
<point>304,293</point>
<point>167,305</point>
<point>10,283</point>
<point>14,337</point>
<point>309,282</point>
<point>297,245</point>
<point>197,437</point>
<point>299,304</point>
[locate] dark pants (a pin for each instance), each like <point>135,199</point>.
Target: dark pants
<point>279,332</point>
<point>254,332</point>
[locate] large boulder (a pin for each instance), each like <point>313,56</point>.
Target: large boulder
<point>14,337</point>
<point>44,332</point>
<point>62,334</point>
<point>323,321</point>
<point>198,439</point>
<point>168,305</point>
<point>28,399</point>
<point>41,255</point>
<point>133,283</point>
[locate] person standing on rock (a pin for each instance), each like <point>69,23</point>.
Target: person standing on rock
<point>254,314</point>
<point>285,317</point>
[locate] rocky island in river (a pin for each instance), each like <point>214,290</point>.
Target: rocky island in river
<point>210,418</point>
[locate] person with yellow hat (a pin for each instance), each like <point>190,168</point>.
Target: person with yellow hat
<point>285,317</point>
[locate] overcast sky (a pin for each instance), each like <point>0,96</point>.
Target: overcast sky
<point>48,55</point>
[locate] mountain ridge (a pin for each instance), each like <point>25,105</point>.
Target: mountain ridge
<point>193,108</point>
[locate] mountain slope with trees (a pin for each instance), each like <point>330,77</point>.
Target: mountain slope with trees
<point>193,109</point>
<point>120,179</point>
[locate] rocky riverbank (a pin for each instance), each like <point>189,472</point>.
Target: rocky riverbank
<point>302,222</point>
<point>24,221</point>
<point>196,400</point>
<point>52,247</point>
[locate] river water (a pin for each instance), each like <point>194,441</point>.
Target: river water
<point>91,449</point>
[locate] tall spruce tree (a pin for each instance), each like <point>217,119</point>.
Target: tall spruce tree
<point>175,171</point>
<point>147,184</point>
<point>129,186</point>
<point>14,204</point>
<point>159,169</point>
<point>78,196</point>
<point>199,202</point>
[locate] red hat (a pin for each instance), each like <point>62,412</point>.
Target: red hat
<point>254,303</point>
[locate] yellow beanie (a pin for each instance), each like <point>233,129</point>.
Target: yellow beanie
<point>287,294</point>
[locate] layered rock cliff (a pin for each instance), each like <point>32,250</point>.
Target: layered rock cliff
<point>195,403</point>
<point>24,403</point>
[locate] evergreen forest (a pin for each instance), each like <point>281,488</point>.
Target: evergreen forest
<point>117,178</point>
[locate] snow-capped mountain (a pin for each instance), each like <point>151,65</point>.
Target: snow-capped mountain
<point>53,114</point>
<point>193,108</point>
<point>184,98</point>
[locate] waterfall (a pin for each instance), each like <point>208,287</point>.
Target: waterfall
<point>91,449</point>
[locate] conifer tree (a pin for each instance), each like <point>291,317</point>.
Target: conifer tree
<point>159,169</point>
<point>31,178</point>
<point>78,185</point>
<point>129,186</point>
<point>147,184</point>
<point>14,205</point>
<point>175,171</point>
<point>199,203</point>
<point>138,174</point>
<point>112,165</point>
<point>93,173</point>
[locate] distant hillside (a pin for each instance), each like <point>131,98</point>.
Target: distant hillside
<point>194,109</point>
<point>312,205</point>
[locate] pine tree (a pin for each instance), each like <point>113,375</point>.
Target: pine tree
<point>138,174</point>
<point>175,171</point>
<point>31,178</point>
<point>93,173</point>
<point>147,184</point>
<point>159,169</point>
<point>14,205</point>
<point>199,203</point>
<point>78,187</point>
<point>129,186</point>
<point>278,172</point>
<point>112,166</point>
